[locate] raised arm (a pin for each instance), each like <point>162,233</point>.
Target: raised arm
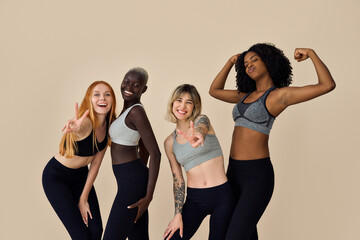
<point>142,124</point>
<point>294,95</point>
<point>198,131</point>
<point>178,189</point>
<point>80,126</point>
<point>217,87</point>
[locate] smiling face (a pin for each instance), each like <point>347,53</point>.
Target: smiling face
<point>132,87</point>
<point>101,99</point>
<point>254,66</point>
<point>183,107</point>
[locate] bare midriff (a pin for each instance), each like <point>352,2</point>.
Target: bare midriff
<point>248,144</point>
<point>207,174</point>
<point>122,154</point>
<point>74,162</point>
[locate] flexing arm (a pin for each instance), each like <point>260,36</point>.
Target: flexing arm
<point>217,87</point>
<point>93,171</point>
<point>294,95</point>
<point>142,124</point>
<point>178,189</point>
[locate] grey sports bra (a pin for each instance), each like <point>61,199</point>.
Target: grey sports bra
<point>190,157</point>
<point>122,134</point>
<point>254,115</point>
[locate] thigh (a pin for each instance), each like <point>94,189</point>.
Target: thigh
<point>220,217</point>
<point>192,216</point>
<point>254,196</point>
<point>95,224</point>
<point>121,219</point>
<point>61,198</point>
<point>139,231</point>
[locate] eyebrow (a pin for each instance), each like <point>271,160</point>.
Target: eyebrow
<point>188,99</point>
<point>251,57</point>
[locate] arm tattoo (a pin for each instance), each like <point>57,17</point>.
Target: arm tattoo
<point>202,125</point>
<point>179,193</point>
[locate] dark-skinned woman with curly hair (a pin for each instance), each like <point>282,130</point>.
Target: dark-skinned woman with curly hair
<point>263,77</point>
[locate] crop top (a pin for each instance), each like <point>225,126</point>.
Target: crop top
<point>86,147</point>
<point>122,134</point>
<point>190,157</point>
<point>254,115</point>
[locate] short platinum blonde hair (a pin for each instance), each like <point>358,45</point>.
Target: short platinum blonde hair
<point>141,73</point>
<point>195,98</point>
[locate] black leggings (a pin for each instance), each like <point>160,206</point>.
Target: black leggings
<point>132,179</point>
<point>218,202</point>
<point>63,187</point>
<point>253,183</point>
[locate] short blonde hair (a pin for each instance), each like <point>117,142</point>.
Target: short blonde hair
<point>195,98</point>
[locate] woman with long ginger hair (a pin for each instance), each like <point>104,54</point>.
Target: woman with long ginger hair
<point>67,180</point>
<point>263,77</point>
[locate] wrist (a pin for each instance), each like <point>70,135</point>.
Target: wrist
<point>311,53</point>
<point>149,197</point>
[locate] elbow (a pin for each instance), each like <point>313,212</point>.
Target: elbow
<point>211,92</point>
<point>331,86</point>
<point>156,155</point>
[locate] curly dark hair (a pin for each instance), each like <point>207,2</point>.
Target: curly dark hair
<point>277,64</point>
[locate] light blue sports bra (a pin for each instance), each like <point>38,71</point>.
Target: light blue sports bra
<point>254,115</point>
<point>190,157</point>
<point>122,134</point>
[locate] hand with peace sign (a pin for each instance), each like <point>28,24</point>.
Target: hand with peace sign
<point>74,124</point>
<point>195,138</point>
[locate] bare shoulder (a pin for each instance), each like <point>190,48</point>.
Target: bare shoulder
<point>168,145</point>
<point>137,111</point>
<point>169,141</point>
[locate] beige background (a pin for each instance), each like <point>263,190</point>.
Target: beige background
<point>50,51</point>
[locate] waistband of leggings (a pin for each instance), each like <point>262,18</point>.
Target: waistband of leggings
<point>259,161</point>
<point>215,189</point>
<point>59,166</point>
<point>129,166</point>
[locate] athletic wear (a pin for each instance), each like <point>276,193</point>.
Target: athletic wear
<point>253,183</point>
<point>63,187</point>
<point>216,201</point>
<point>254,115</point>
<point>122,134</point>
<point>132,179</point>
<point>86,147</point>
<point>190,157</point>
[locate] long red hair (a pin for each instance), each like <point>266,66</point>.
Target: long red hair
<point>67,146</point>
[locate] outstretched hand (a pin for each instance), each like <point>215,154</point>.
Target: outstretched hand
<point>142,206</point>
<point>195,138</point>
<point>301,54</point>
<point>74,124</point>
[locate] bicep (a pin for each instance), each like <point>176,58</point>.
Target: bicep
<point>226,95</point>
<point>143,126</point>
<point>174,164</point>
